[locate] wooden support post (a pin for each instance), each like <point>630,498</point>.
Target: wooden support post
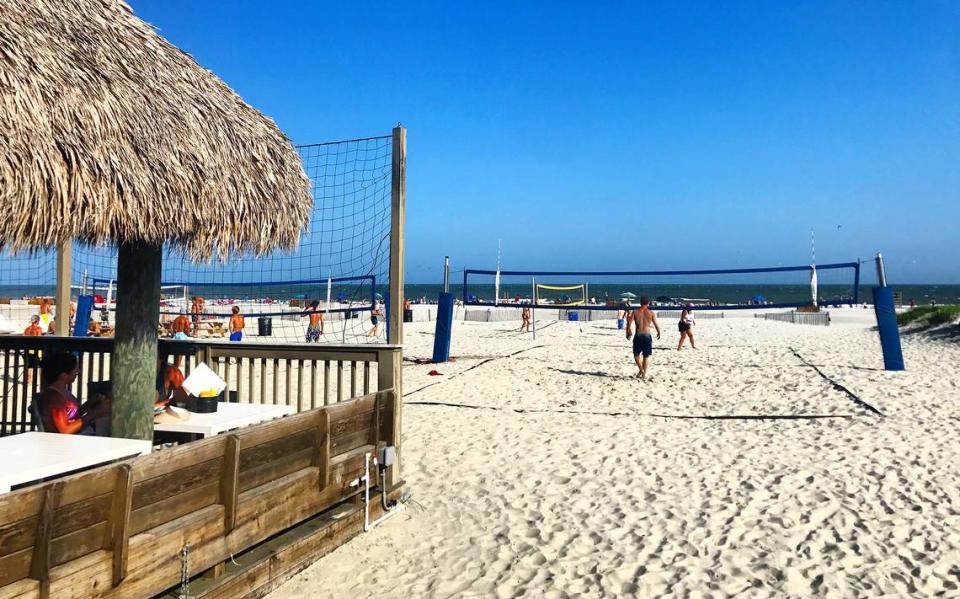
<point>397,207</point>
<point>119,537</point>
<point>390,376</point>
<point>135,343</point>
<point>64,269</point>
<point>40,564</point>
<point>321,456</point>
<point>229,482</point>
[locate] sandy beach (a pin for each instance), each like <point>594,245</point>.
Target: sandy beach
<point>776,460</point>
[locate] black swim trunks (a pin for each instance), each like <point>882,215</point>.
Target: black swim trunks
<point>642,344</point>
<point>683,326</point>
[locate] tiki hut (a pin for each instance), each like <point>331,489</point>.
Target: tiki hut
<point>112,136</point>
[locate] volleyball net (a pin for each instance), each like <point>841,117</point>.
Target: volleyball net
<point>337,279</point>
<point>719,289</point>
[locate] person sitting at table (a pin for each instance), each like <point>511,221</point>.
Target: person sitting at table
<point>59,409</point>
<point>180,327</point>
<point>169,379</point>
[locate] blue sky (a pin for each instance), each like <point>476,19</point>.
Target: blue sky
<point>615,136</point>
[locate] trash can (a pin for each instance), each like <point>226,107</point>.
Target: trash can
<point>573,316</point>
<point>264,326</point>
<point>408,315</point>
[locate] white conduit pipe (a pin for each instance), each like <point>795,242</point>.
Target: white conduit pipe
<point>365,479</point>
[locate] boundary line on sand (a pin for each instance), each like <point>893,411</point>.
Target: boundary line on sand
<point>839,387</point>
<point>466,370</point>
<point>628,414</point>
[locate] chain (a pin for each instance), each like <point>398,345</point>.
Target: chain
<point>184,573</point>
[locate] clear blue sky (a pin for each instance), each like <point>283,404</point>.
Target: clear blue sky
<point>617,136</point>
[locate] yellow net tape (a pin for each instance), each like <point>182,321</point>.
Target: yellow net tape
<point>558,288</point>
<point>579,302</point>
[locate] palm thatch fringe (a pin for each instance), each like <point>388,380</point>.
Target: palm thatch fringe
<point>109,133</point>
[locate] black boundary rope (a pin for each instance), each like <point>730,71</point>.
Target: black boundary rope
<point>839,387</point>
<point>466,370</point>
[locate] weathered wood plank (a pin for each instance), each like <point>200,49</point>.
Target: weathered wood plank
<point>78,543</point>
<point>15,566</point>
<point>81,514</point>
<point>277,429</point>
<point>22,589</point>
<point>40,563</point>
<point>322,456</point>
<point>119,535</point>
<point>167,461</point>
<point>266,472</point>
<point>229,480</point>
<point>159,488</point>
<point>175,507</point>
<point>252,457</point>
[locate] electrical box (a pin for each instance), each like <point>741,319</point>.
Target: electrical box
<point>387,457</point>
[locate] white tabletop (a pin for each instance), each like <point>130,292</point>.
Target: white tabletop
<point>32,456</point>
<point>227,417</point>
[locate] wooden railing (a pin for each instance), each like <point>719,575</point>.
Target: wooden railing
<point>130,529</point>
<point>303,376</point>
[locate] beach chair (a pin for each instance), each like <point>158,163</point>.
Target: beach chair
<point>34,409</point>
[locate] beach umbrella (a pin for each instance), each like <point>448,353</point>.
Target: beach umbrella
<point>628,295</point>
<point>114,137</point>
<point>758,299</point>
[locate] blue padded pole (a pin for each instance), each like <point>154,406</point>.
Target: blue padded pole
<point>887,321</point>
<point>81,321</point>
<point>441,336</point>
<point>856,283</point>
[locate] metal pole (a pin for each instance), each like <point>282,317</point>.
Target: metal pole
<point>533,310</point>
<point>881,272</point>
<point>446,274</point>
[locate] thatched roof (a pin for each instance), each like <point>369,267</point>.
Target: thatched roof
<point>110,133</point>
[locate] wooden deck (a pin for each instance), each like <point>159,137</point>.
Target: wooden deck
<point>277,493</point>
<point>121,530</point>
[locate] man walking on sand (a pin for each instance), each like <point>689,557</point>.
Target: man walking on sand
<point>643,317</point>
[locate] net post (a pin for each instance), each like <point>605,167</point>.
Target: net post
<point>62,299</point>
<point>397,205</point>
<point>887,321</point>
<point>856,283</point>
<point>446,274</point>
<point>533,310</point>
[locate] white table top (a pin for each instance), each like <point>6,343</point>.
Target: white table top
<point>228,416</point>
<point>32,456</point>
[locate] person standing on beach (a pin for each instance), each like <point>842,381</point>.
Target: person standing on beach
<point>315,326</point>
<point>525,315</point>
<point>236,325</point>
<point>686,327</point>
<point>375,321</point>
<point>196,311</point>
<point>32,357</point>
<point>643,317</point>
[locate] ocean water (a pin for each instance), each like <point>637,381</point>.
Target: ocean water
<point>715,293</point>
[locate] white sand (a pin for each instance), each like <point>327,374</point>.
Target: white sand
<point>582,481</point>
